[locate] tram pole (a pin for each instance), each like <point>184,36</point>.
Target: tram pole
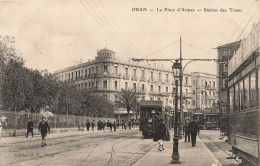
<point>175,152</point>
<point>181,109</point>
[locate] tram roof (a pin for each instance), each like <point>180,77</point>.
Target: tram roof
<point>150,103</point>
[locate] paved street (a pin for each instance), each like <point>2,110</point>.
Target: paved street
<point>80,148</point>
<point>215,142</point>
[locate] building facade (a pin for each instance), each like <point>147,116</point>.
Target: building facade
<point>203,92</point>
<point>225,53</point>
<point>107,75</point>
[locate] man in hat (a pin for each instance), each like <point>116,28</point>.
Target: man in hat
<point>43,127</point>
<point>29,127</point>
<point>194,129</point>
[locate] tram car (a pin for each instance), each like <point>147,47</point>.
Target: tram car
<point>199,117</point>
<point>244,99</point>
<point>150,114</point>
<point>211,121</point>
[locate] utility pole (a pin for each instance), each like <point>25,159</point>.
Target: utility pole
<point>181,109</point>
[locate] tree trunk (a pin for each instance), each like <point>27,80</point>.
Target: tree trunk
<point>128,111</point>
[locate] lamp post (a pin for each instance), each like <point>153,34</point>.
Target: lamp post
<point>175,152</point>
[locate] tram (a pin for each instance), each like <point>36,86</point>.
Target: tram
<point>150,114</point>
<point>244,99</point>
<point>199,117</point>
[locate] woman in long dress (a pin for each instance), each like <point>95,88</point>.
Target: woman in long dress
<point>161,134</point>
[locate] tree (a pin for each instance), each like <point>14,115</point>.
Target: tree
<point>127,99</point>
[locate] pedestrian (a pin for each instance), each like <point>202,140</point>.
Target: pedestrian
<point>110,126</point>
<point>161,134</point>
<point>79,126</point>
<point>186,132</point>
<point>104,125</point>
<point>1,126</point>
<point>99,125</point>
<point>88,125</point>
<point>114,125</point>
<point>29,127</point>
<point>129,124</point>
<point>93,125</point>
<point>193,129</point>
<point>43,128</point>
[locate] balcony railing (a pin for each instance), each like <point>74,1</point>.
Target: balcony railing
<point>143,79</point>
<point>126,77</point>
<point>134,78</point>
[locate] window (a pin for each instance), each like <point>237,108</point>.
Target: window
<point>89,85</point>
<point>236,102</point>
<point>134,86</point>
<point>105,84</point>
<point>86,71</point>
<point>93,84</point>
<point>246,92</point>
<point>258,88</point>
<point>143,73</point>
<point>151,87</point>
<point>115,68</point>
<point>126,71</point>
<point>160,77</point>
<point>159,99</point>
<point>126,85</point>
<point>213,93</point>
<point>209,93</point>
<point>89,71</point>
<point>231,100</point>
<point>72,75</point>
<point>241,95</point>
<point>201,82</point>
<point>151,75</point>
<point>252,90</point>
<point>115,84</point>
<point>214,84</point>
<point>143,97</point>
<point>167,89</point>
<point>167,78</point>
<point>96,84</point>
<point>105,68</point>
<point>93,70</point>
<point>194,92</point>
<point>167,102</point>
<point>159,88</point>
<point>186,80</point>
<point>96,69</point>
<point>142,87</point>
<point>86,85</point>
<point>193,82</point>
<point>135,73</point>
<point>76,74</point>
<point>151,98</point>
<point>193,102</point>
<point>186,91</point>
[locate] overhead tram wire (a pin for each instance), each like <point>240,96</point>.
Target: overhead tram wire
<point>199,48</point>
<point>109,27</point>
<point>130,44</point>
<point>119,44</point>
<point>238,26</point>
<point>161,49</point>
<point>247,23</point>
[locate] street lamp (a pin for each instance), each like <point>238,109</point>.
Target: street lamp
<point>175,152</point>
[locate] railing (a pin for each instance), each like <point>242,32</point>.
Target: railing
<point>143,79</point>
<point>134,78</point>
<point>126,77</point>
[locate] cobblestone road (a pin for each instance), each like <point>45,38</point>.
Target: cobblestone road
<point>214,141</point>
<point>122,148</point>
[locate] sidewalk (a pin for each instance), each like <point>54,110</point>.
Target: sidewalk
<point>199,155</point>
<point>65,133</point>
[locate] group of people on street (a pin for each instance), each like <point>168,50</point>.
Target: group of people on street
<point>191,130</point>
<point>161,134</point>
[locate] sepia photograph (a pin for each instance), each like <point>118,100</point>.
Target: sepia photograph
<point>129,83</point>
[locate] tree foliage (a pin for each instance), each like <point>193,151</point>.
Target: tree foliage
<point>128,99</point>
<point>26,89</point>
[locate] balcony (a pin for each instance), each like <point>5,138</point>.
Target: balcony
<point>116,75</point>
<point>126,77</point>
<point>143,79</point>
<point>209,87</point>
<point>151,80</point>
<point>134,78</point>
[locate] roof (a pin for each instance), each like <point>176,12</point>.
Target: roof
<point>234,44</point>
<point>150,103</point>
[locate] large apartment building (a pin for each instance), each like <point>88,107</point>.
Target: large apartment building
<point>107,75</point>
<point>203,91</point>
<point>225,53</point>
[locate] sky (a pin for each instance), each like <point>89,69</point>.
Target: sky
<point>56,34</point>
